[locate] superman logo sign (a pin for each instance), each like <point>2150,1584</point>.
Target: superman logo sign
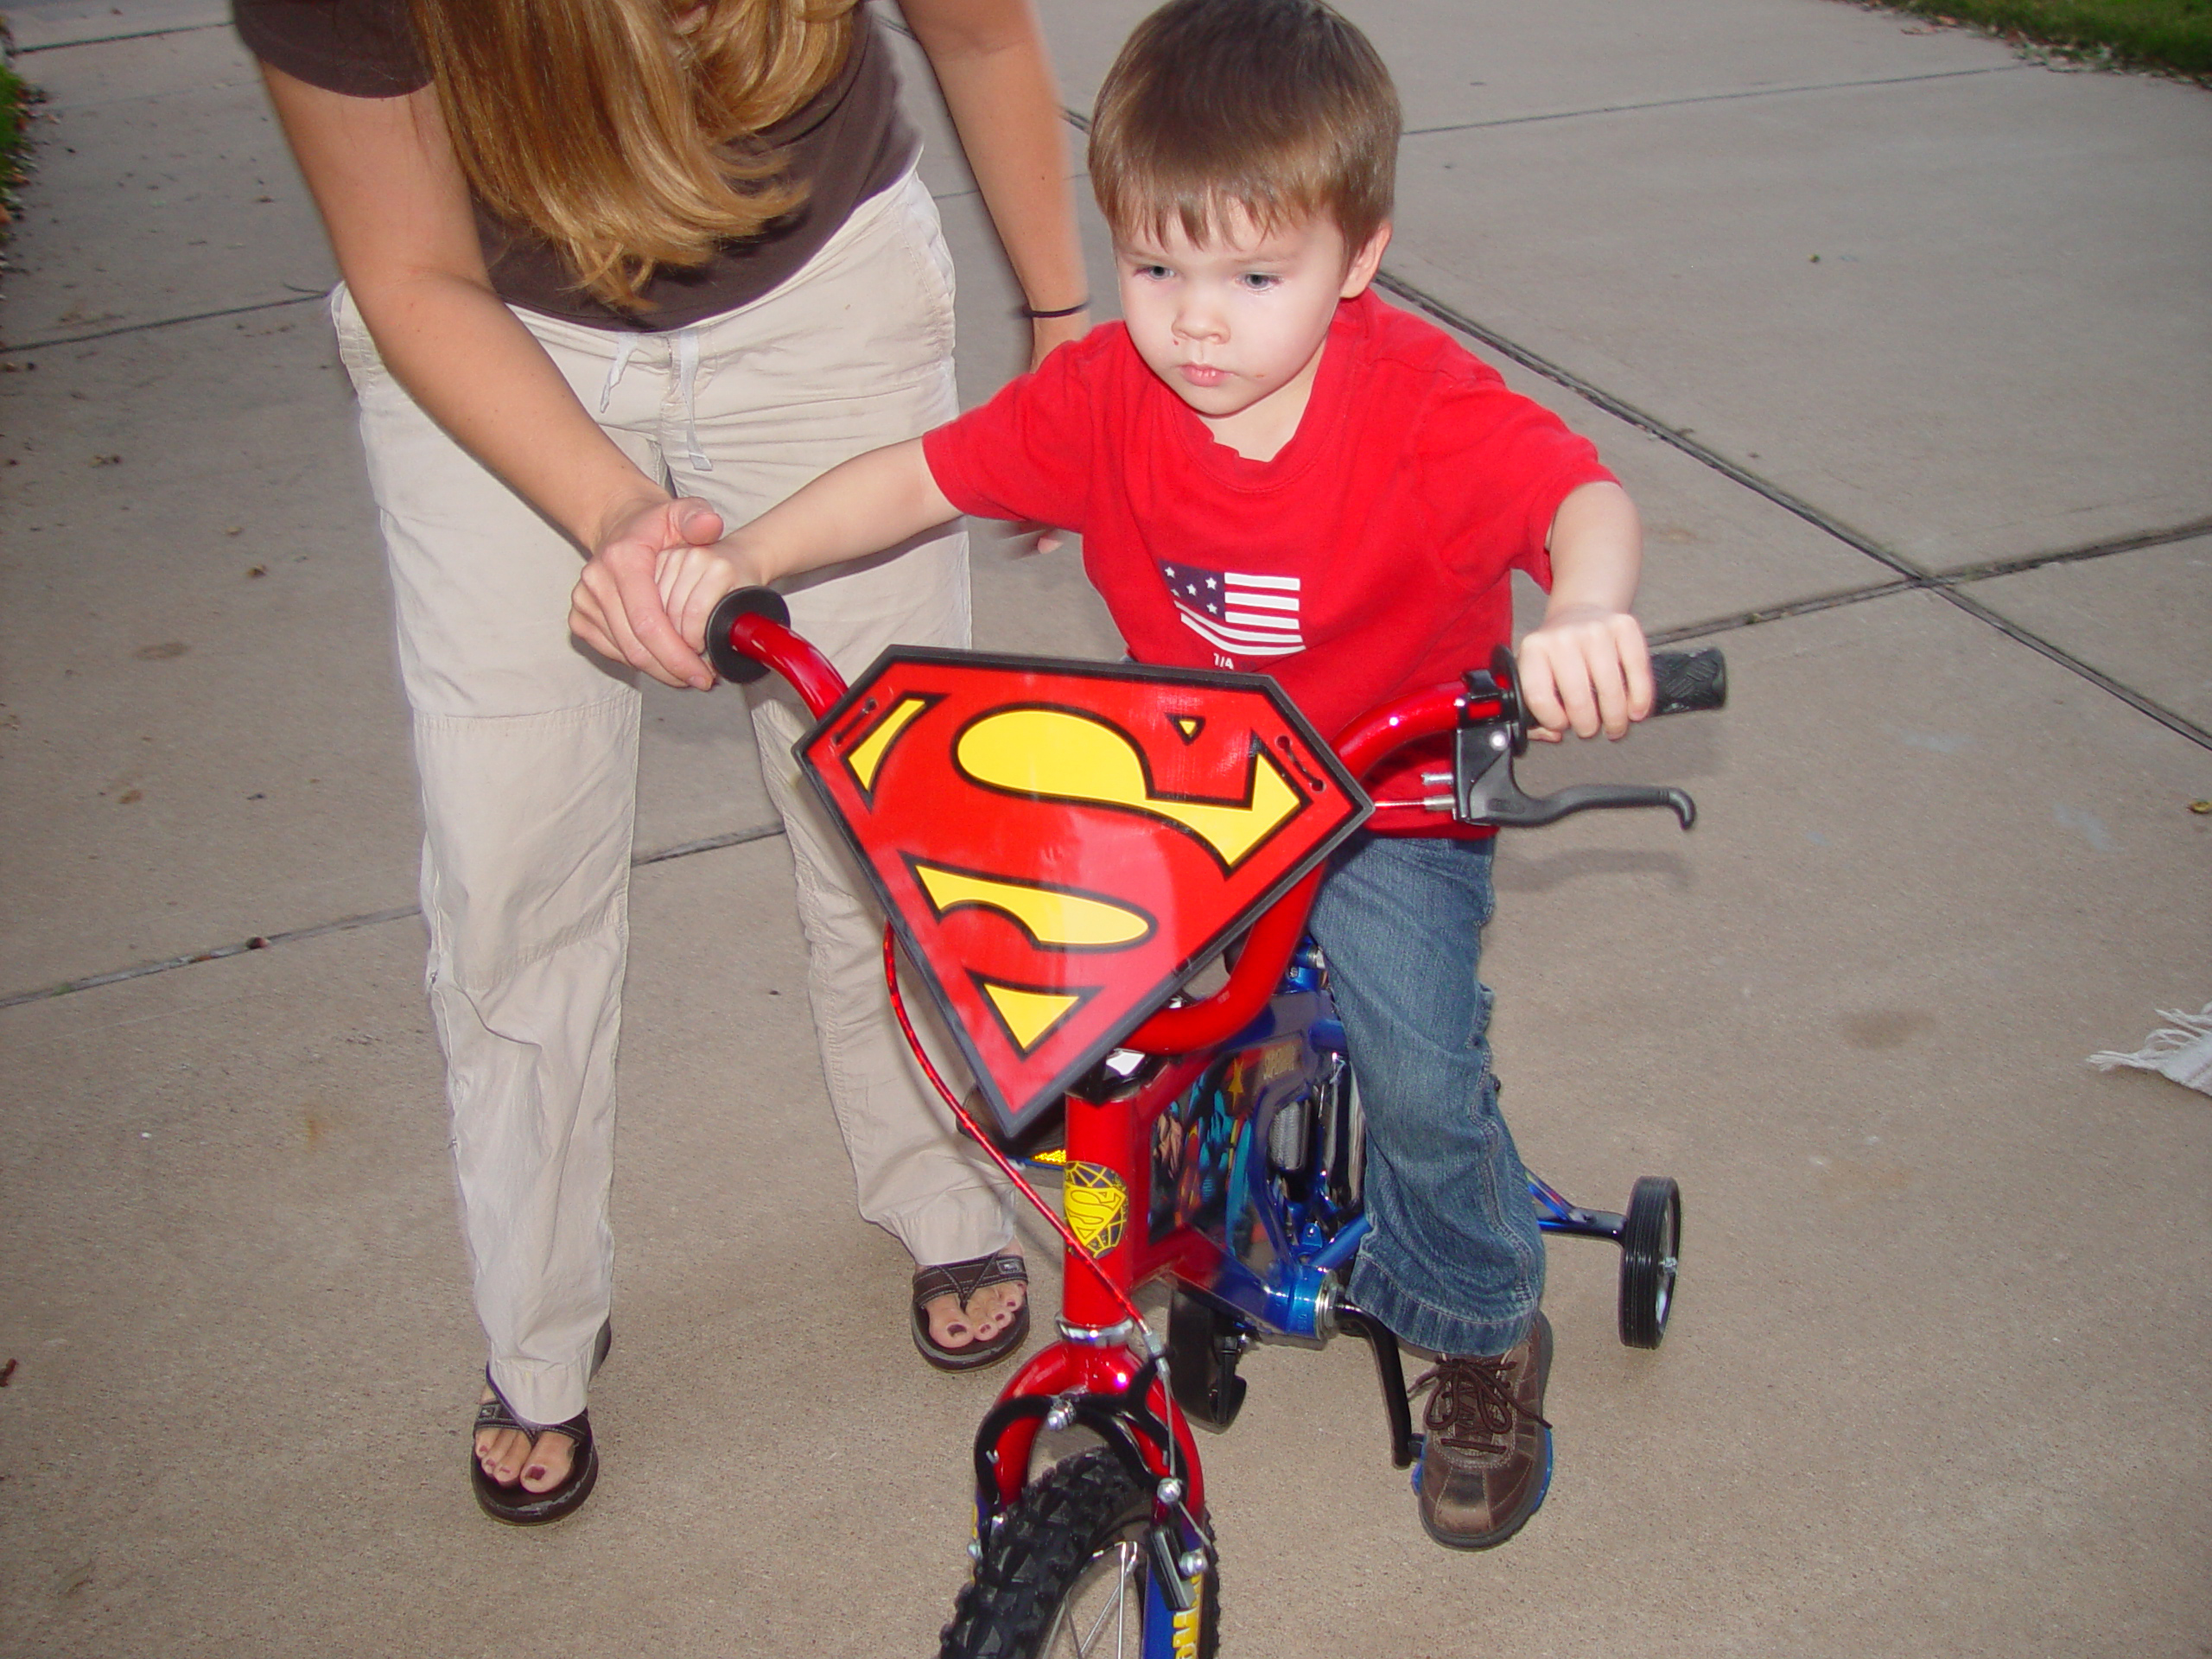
<point>1059,847</point>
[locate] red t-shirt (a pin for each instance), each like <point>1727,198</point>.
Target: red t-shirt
<point>1371,557</point>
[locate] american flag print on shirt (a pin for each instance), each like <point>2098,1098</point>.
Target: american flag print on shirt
<point>1238,614</point>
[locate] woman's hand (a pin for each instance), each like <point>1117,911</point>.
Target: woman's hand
<point>1046,333</point>
<point>617,608</point>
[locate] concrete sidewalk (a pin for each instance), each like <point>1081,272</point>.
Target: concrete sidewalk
<point>1905,347</point>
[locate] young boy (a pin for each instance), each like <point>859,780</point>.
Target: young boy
<point>1274,472</point>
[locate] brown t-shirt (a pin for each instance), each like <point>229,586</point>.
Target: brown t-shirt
<point>845,144</point>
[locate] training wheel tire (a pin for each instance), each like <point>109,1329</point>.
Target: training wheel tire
<point>1652,1242</point>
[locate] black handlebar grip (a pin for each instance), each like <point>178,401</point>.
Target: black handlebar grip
<point>1686,682</point>
<point>728,661</point>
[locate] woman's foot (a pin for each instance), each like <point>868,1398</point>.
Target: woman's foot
<point>544,1487</point>
<point>989,1312</point>
<point>969,1313</point>
<point>524,1475</point>
<point>514,1457</point>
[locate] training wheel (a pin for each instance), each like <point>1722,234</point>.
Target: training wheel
<point>1651,1241</point>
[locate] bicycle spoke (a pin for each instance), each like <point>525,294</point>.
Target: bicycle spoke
<point>1116,1606</point>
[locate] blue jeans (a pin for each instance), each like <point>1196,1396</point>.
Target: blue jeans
<point>1455,1264</point>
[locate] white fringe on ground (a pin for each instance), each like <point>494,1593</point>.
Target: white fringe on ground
<point>2183,1052</point>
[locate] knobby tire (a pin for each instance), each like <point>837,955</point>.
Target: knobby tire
<point>1066,1518</point>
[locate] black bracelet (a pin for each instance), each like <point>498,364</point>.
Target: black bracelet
<point>1035,315</point>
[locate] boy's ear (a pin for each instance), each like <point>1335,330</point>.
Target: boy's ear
<point>1364,264</point>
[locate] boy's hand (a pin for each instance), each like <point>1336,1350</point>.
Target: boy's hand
<point>1586,668</point>
<point>661,567</point>
<point>692,581</point>
<point>616,607</point>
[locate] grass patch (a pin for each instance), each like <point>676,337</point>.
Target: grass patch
<point>2170,34</point>
<point>15,138</point>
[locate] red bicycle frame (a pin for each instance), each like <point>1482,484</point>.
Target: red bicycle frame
<point>1102,1351</point>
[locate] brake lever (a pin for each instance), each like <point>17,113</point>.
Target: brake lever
<point>1483,788</point>
<point>1485,791</point>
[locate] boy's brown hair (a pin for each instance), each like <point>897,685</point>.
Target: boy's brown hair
<point>1279,107</point>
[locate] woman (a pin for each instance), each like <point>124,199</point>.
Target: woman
<point>618,272</point>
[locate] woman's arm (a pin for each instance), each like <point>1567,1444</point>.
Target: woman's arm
<point>393,197</point>
<point>990,64</point>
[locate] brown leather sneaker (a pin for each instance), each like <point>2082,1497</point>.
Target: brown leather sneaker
<point>1486,1451</point>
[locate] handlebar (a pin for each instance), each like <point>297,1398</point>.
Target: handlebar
<point>749,632</point>
<point>1683,683</point>
<point>1490,727</point>
<point>1689,682</point>
<point>1484,788</point>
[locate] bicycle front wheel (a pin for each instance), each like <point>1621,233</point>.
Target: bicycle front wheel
<point>1069,1577</point>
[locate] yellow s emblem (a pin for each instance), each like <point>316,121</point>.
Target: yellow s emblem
<point>1097,1205</point>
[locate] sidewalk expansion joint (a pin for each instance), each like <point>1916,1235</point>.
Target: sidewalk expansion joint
<point>1988,571</point>
<point>162,323</point>
<point>346,924</point>
<point>1944,586</point>
<point>1711,97</point>
<point>109,39</point>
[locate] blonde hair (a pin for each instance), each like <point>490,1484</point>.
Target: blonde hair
<point>1280,108</point>
<point>626,140</point>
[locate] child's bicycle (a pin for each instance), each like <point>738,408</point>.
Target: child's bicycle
<point>1059,845</point>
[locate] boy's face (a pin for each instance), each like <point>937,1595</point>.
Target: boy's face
<point>1234,325</point>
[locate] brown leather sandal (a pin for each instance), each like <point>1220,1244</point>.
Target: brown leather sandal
<point>962,1280</point>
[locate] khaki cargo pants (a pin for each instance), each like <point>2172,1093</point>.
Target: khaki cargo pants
<point>527,746</point>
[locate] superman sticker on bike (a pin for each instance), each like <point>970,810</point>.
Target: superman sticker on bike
<point>1009,813</point>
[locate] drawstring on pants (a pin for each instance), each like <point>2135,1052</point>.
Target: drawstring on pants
<point>687,385</point>
<point>626,348</point>
<point>687,379</point>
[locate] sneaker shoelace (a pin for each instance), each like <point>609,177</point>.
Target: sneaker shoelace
<point>1472,1409</point>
